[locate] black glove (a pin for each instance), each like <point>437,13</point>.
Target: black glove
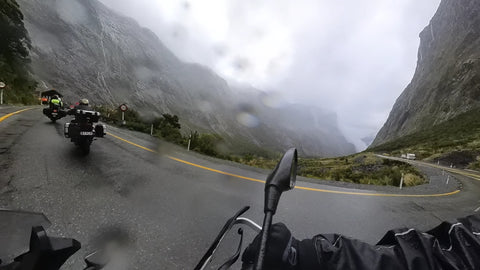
<point>282,249</point>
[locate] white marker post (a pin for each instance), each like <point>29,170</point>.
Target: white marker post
<point>151,130</point>
<point>2,85</point>
<point>401,182</point>
<point>189,139</point>
<point>448,178</point>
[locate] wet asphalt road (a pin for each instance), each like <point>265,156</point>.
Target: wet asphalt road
<point>165,212</point>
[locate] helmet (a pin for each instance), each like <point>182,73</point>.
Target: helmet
<point>83,101</point>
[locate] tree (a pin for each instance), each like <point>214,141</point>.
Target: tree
<point>169,127</point>
<point>14,53</point>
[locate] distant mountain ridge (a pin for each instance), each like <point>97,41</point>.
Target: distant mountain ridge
<point>84,49</point>
<point>446,82</point>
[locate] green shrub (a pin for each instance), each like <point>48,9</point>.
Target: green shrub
<point>207,144</point>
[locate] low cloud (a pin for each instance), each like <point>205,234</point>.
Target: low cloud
<point>350,57</point>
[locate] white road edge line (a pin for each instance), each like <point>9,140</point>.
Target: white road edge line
<point>476,210</point>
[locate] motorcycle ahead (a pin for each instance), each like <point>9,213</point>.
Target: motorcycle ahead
<point>54,112</point>
<point>82,130</point>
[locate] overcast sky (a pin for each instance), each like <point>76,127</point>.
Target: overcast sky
<point>347,56</point>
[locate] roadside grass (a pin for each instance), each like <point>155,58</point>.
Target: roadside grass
<point>362,168</point>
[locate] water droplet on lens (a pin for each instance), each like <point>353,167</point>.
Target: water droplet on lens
<point>247,119</point>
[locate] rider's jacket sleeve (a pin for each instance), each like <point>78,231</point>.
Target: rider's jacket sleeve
<point>451,245</point>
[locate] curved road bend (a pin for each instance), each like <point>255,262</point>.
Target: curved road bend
<point>167,211</point>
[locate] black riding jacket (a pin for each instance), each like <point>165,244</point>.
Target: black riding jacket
<point>453,246</point>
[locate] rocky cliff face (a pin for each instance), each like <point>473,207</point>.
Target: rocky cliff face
<point>446,82</point>
<point>84,49</point>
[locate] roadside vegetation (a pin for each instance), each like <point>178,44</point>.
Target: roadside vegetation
<point>454,142</point>
<point>167,127</point>
<point>362,168</point>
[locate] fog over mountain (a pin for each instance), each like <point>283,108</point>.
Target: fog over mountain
<point>349,57</point>
<point>84,49</point>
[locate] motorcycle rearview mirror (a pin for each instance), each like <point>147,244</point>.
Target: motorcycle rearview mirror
<point>282,178</point>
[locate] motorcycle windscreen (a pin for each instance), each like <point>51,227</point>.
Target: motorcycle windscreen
<point>15,230</point>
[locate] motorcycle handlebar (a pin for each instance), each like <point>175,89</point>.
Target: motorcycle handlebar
<point>211,250</point>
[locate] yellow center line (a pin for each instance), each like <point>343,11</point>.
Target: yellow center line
<point>379,194</point>
<point>132,143</point>
<point>214,170</point>
<point>13,113</point>
<point>297,187</point>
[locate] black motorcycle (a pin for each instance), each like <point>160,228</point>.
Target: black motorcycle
<point>82,130</point>
<point>54,112</point>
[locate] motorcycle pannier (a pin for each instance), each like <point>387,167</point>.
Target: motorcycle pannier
<point>91,115</point>
<point>100,130</point>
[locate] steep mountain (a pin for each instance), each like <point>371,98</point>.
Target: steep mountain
<point>84,49</point>
<point>446,82</point>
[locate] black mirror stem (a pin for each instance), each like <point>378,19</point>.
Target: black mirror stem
<point>267,223</point>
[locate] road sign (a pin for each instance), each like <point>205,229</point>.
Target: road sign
<point>2,85</point>
<point>123,108</point>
